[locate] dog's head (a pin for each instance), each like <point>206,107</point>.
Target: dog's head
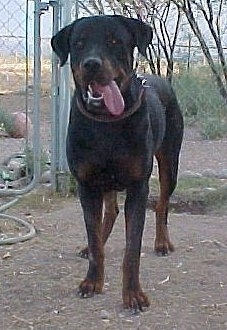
<point>101,56</point>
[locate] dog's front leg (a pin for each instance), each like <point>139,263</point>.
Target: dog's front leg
<point>110,215</point>
<point>135,209</point>
<point>92,202</point>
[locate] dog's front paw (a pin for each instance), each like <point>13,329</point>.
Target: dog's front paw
<point>135,300</point>
<point>89,287</point>
<point>163,246</point>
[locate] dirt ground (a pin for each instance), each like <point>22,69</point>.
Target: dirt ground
<point>187,289</point>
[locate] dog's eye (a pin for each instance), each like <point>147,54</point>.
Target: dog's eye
<point>113,41</point>
<point>79,44</point>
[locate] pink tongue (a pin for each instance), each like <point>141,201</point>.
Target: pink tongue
<point>112,97</point>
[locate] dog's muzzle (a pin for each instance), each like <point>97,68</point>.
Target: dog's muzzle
<point>105,96</point>
<point>101,90</point>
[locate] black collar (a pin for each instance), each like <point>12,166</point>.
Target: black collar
<point>107,118</point>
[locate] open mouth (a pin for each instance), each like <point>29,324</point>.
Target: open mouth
<point>108,95</point>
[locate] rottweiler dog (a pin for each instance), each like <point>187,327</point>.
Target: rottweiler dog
<point>118,123</point>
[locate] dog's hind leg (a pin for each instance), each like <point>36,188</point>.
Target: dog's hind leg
<point>167,178</point>
<point>110,214</point>
<point>168,159</point>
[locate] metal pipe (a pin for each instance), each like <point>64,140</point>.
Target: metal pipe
<point>37,92</point>
<point>65,90</point>
<point>55,101</point>
<point>60,106</point>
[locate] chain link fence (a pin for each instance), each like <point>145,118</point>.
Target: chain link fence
<point>17,91</point>
<point>12,45</point>
<point>13,73</point>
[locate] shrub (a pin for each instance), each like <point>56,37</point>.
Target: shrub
<point>6,121</point>
<point>201,102</point>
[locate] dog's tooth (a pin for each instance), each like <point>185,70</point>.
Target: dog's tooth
<point>98,98</point>
<point>89,94</point>
<point>90,89</point>
<point>94,100</point>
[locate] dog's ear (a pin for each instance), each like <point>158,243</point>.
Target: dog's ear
<point>142,33</point>
<point>60,43</point>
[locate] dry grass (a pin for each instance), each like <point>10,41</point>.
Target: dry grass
<point>13,74</point>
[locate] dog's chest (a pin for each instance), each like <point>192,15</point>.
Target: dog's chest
<point>116,173</point>
<point>110,156</point>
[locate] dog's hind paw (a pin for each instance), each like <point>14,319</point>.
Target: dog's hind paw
<point>135,300</point>
<point>89,287</point>
<point>162,248</point>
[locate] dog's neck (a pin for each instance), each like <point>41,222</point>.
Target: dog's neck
<point>133,97</point>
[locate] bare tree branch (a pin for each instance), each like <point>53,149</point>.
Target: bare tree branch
<point>185,6</point>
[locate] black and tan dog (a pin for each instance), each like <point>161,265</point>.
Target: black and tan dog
<point>117,124</point>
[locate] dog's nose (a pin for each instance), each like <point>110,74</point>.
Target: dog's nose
<point>92,64</point>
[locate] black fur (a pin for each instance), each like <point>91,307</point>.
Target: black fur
<point>110,152</point>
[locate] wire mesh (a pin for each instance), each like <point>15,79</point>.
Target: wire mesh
<point>17,90</point>
<point>12,45</point>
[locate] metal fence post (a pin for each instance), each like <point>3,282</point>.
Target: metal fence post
<point>64,106</point>
<point>36,82</point>
<point>61,85</point>
<point>55,101</point>
<point>39,8</point>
